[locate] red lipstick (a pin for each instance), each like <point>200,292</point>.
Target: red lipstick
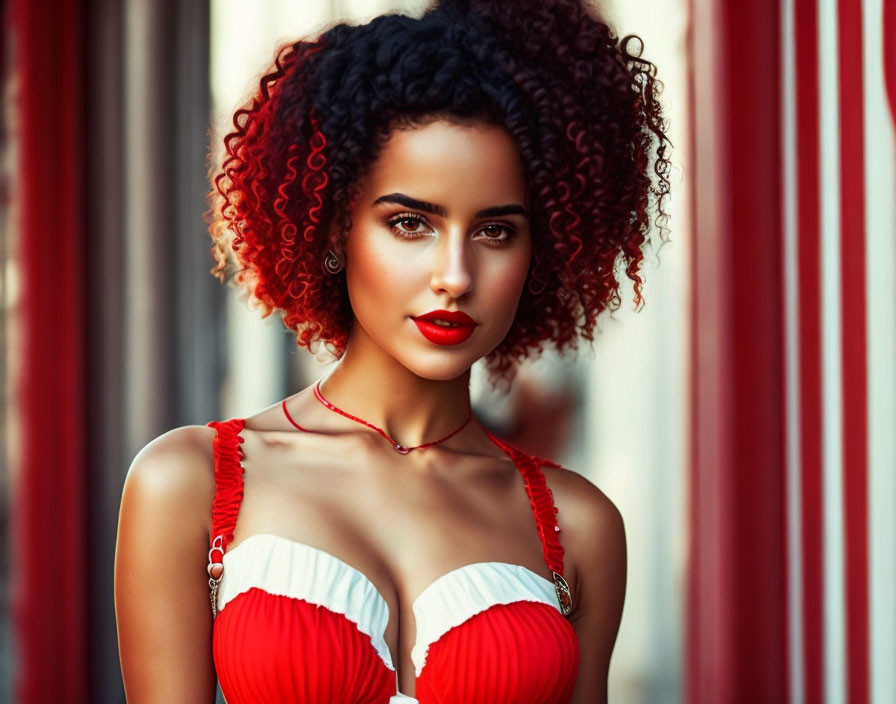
<point>452,328</point>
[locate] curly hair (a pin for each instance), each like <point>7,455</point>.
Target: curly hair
<point>581,106</point>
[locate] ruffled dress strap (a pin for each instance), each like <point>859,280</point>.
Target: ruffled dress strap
<point>228,497</point>
<point>542,501</point>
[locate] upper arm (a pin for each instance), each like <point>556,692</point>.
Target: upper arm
<point>594,541</point>
<point>162,606</point>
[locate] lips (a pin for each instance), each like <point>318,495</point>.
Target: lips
<point>444,327</point>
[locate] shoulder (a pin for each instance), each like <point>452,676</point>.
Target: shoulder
<point>582,506</point>
<point>174,473</point>
<point>179,457</point>
<point>593,536</point>
<point>161,587</point>
<point>591,525</point>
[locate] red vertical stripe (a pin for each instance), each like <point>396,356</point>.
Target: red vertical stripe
<point>737,631</point>
<point>49,522</point>
<point>855,402</point>
<point>809,259</point>
<point>751,61</point>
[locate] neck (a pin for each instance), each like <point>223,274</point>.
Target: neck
<point>371,384</point>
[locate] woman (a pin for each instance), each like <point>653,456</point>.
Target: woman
<point>412,195</point>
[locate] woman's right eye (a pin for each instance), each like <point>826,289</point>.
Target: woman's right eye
<point>407,225</point>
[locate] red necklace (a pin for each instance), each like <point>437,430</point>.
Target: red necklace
<point>397,446</point>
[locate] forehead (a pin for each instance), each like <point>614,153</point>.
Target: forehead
<point>447,161</point>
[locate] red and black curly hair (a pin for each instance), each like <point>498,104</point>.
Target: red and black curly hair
<point>581,106</point>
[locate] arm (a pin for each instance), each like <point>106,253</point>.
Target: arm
<point>593,536</point>
<point>161,586</point>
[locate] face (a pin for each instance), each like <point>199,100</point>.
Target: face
<point>440,225</point>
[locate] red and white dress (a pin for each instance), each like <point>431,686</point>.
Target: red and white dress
<point>297,624</point>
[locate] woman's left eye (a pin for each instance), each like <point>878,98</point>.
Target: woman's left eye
<point>497,234</point>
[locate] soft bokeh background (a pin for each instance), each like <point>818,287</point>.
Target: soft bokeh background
<point>741,421</point>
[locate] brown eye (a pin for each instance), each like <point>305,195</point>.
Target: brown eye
<point>496,234</point>
<point>407,225</point>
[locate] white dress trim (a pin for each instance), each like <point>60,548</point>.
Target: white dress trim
<point>456,597</point>
<point>402,699</point>
<point>286,568</point>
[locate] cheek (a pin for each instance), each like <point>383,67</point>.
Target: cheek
<point>508,280</point>
<point>374,270</point>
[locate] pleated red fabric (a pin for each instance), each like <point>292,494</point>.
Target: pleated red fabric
<point>296,624</point>
<point>519,652</point>
<point>271,648</point>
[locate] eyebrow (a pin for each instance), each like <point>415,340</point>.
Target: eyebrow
<point>440,210</point>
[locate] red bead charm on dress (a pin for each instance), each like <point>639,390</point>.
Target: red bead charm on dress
<point>215,571</point>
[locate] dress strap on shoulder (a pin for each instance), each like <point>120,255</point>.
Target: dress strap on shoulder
<point>541,499</point>
<point>228,484</point>
<point>228,497</point>
<point>542,502</point>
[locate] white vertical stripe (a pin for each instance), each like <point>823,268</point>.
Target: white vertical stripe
<point>792,359</point>
<point>880,283</point>
<point>832,410</point>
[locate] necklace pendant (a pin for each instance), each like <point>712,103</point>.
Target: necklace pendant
<point>397,446</point>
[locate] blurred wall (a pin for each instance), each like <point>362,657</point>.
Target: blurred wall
<point>636,407</point>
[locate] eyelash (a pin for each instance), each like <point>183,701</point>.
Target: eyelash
<point>493,241</point>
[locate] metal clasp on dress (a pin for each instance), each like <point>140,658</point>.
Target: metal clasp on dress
<point>215,572</point>
<point>564,595</point>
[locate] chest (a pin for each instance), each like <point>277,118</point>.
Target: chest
<point>359,583</point>
<point>402,524</point>
<point>291,613</point>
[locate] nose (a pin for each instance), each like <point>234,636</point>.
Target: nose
<point>451,268</point>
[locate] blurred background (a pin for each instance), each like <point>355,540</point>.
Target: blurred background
<point>744,420</point>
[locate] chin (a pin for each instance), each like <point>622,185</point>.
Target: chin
<point>440,367</point>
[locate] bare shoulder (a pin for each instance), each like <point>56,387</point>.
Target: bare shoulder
<point>186,448</point>
<point>176,472</point>
<point>161,592</point>
<point>590,522</point>
<point>593,535</point>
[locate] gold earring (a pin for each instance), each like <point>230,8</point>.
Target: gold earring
<point>332,263</point>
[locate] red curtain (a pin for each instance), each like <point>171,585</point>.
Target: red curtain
<point>736,610</point>
<point>49,539</point>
